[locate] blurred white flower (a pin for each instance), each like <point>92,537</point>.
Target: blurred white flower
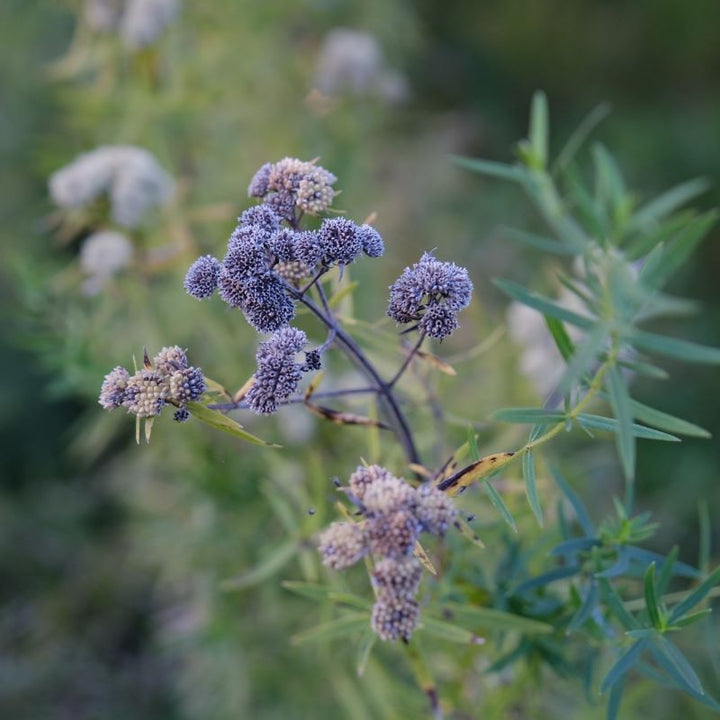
<point>103,254</point>
<point>539,359</point>
<point>144,20</point>
<point>139,22</point>
<point>352,62</point>
<point>130,176</point>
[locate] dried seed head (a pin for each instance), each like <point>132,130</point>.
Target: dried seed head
<point>393,535</point>
<point>394,619</point>
<point>397,579</point>
<point>387,494</point>
<point>435,510</point>
<point>364,476</point>
<point>343,544</point>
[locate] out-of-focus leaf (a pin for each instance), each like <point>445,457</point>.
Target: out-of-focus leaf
<point>579,136</point>
<point>447,631</point>
<point>615,603</point>
<point>623,664</point>
<point>528,415</point>
<point>651,603</point>
<point>645,557</point>
<point>216,387</point>
<point>580,512</point>
<point>564,344</point>
<point>643,368</point>
<point>674,348</point>
<point>539,130</point>
<point>341,627</point>
<point>561,573</point>
<point>435,362</point>
<point>696,596</point>
<point>217,420</point>
<point>588,605</point>
<point>574,545</point>
<point>673,661</point>
<point>543,304</point>
<point>599,422</point>
<point>342,293</point>
<point>537,242</point>
<point>514,173</point>
<point>614,699</point>
<point>693,617</point>
<point>610,186</point>
<point>271,564</point>
<point>499,504</point>
<point>528,469</point>
<point>658,208</point>
<point>667,422</point>
<point>620,401</point>
<point>584,358</point>
<point>493,619</point>
<point>667,258</point>
<point>666,572</point>
<point>364,651</point>
<point>475,471</point>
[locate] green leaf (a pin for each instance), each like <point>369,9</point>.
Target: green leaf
<point>615,603</point>
<point>668,202</point>
<point>691,618</point>
<point>676,664</point>
<point>364,651</point>
<point>543,304</point>
<point>529,416</point>
<point>340,627</point>
<point>647,239</point>
<point>599,422</point>
<point>537,242</point>
<point>584,357</point>
<point>269,566</point>
<point>493,619</point>
<point>448,631</point>
<point>579,136</point>
<point>559,334</point>
<point>219,421</point>
<point>528,468</point>
<point>666,571</point>
<point>499,504</point>
<point>674,348</point>
<point>472,444</point>
<point>651,602</point>
<point>588,605</point>
<point>514,173</point>
<point>623,664</point>
<point>614,699</point>
<point>538,132</point>
<point>667,258</point>
<point>620,401</point>
<point>664,421</point>
<point>643,368</point>
<point>610,186</point>
<point>315,591</point>
<point>696,596</point>
<point>580,512</point>
<point>560,573</point>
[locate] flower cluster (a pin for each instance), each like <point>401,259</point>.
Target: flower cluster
<point>102,255</point>
<point>139,22</point>
<point>168,379</point>
<point>431,293</point>
<point>394,514</point>
<point>278,373</point>
<point>265,258</point>
<point>130,176</point>
<point>291,183</point>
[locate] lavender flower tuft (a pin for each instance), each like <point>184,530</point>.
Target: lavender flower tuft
<point>340,241</point>
<point>396,618</point>
<point>343,544</point>
<point>278,373</point>
<point>170,359</point>
<point>371,241</point>
<point>202,277</point>
<point>145,394</point>
<point>431,293</point>
<point>113,388</point>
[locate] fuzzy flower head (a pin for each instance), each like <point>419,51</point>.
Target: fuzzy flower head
<point>340,241</point>
<point>278,373</point>
<point>431,293</point>
<point>393,515</point>
<point>201,279</point>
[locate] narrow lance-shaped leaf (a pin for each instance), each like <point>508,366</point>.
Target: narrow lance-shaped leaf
<point>623,664</point>
<point>665,421</point>
<point>499,504</point>
<point>651,602</point>
<point>674,348</point>
<point>599,422</point>
<point>696,596</point>
<point>493,619</point>
<point>537,242</point>
<point>528,466</point>
<point>620,401</point>
<point>529,416</point>
<point>447,631</point>
<point>341,627</point>
<point>514,173</point>
<point>676,664</point>
<point>579,136</point>
<point>217,420</point>
<point>539,130</point>
<point>543,304</point>
<point>273,563</point>
<point>564,344</point>
<point>669,201</point>
<point>580,512</point>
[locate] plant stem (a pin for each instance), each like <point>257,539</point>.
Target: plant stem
<point>407,361</point>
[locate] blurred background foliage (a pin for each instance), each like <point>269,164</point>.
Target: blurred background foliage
<point>112,556</point>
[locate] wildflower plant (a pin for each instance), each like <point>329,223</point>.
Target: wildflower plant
<point>288,261</point>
